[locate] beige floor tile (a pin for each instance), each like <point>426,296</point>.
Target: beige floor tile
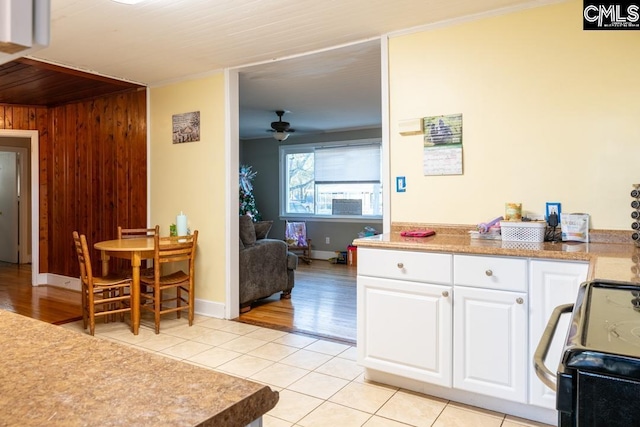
<point>455,415</point>
<point>377,421</point>
<point>245,366</point>
<point>327,347</point>
<point>318,385</point>
<point>160,342</point>
<point>265,334</point>
<point>168,323</point>
<point>306,359</point>
<point>295,340</point>
<point>199,318</point>
<point>363,397</point>
<point>273,352</point>
<point>182,329</point>
<point>213,323</point>
<point>332,415</point>
<point>269,421</point>
<point>215,337</point>
<point>243,344</point>
<point>73,326</point>
<point>280,375</point>
<point>511,421</point>
<point>412,408</point>
<point>214,357</point>
<point>238,328</point>
<point>351,353</point>
<point>293,406</point>
<point>342,368</point>
<point>186,349</point>
<point>124,334</point>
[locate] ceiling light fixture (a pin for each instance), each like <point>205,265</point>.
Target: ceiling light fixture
<point>280,136</point>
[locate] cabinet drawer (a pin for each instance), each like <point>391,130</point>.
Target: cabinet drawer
<point>490,272</point>
<point>405,265</point>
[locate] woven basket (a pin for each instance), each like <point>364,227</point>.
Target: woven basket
<point>523,231</point>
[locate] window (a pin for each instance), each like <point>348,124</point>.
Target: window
<point>332,180</point>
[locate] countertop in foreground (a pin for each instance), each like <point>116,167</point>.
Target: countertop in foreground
<point>56,377</point>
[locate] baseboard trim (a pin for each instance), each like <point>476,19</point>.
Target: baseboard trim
<point>202,307</point>
<point>57,280</point>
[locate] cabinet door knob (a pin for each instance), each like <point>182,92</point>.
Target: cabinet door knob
<point>519,300</point>
<point>400,265</point>
<point>445,294</point>
<point>489,273</point>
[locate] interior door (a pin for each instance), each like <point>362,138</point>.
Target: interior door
<point>8,207</point>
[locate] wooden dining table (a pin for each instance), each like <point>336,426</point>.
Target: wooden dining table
<point>135,250</point>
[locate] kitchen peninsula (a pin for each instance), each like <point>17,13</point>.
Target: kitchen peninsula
<point>56,377</point>
<point>460,318</point>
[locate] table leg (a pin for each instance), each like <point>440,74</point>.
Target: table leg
<point>135,292</point>
<point>105,263</point>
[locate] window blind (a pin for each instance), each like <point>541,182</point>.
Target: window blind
<point>347,164</point>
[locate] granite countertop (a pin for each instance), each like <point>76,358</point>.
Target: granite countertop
<point>611,255</point>
<point>56,377</point>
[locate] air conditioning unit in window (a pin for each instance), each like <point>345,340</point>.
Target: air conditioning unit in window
<point>24,27</point>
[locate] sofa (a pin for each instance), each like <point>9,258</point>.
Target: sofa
<point>266,265</point>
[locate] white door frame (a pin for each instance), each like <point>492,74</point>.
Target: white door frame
<point>35,196</point>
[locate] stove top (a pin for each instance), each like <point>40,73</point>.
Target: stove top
<point>605,329</point>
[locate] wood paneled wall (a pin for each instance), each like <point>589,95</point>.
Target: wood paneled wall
<point>93,171</point>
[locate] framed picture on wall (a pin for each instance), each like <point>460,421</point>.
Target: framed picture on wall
<point>186,127</point>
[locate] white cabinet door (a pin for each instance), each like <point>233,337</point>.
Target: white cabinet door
<point>552,283</point>
<point>404,328</point>
<point>490,342</point>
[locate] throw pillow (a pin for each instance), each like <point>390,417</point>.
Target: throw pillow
<point>247,231</point>
<point>262,229</point>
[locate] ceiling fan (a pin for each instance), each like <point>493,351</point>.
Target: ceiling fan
<point>280,129</point>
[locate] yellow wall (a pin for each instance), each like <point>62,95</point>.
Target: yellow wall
<point>190,177</point>
<point>550,113</point>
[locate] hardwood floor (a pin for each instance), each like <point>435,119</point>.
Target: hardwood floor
<point>323,303</point>
<point>47,303</point>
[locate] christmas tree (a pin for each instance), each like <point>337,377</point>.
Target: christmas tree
<point>247,200</point>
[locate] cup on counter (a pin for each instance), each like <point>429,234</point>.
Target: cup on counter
<point>513,211</point>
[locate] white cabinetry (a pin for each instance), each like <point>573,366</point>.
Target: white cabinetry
<point>552,283</point>
<point>404,320</point>
<point>490,326</point>
<point>462,327</point>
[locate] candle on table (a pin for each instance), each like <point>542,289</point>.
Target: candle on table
<point>181,224</point>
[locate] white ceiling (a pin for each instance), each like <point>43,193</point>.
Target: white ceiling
<point>159,41</point>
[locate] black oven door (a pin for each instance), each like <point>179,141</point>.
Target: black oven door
<point>597,382</point>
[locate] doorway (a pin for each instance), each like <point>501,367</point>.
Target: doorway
<point>14,200</point>
<point>284,76</point>
<point>22,143</point>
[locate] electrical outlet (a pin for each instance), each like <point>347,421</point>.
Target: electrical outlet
<point>553,208</point>
<point>327,240</point>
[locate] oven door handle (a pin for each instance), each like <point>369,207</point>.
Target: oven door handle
<point>545,374</point>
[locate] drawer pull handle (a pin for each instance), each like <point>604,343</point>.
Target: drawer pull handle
<point>400,265</point>
<point>519,300</point>
<point>489,273</point>
<point>445,294</point>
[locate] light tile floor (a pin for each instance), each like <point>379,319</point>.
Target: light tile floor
<point>319,382</point>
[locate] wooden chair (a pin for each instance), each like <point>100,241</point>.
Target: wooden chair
<point>297,240</point>
<point>101,296</point>
<point>170,250</point>
<point>132,233</point>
